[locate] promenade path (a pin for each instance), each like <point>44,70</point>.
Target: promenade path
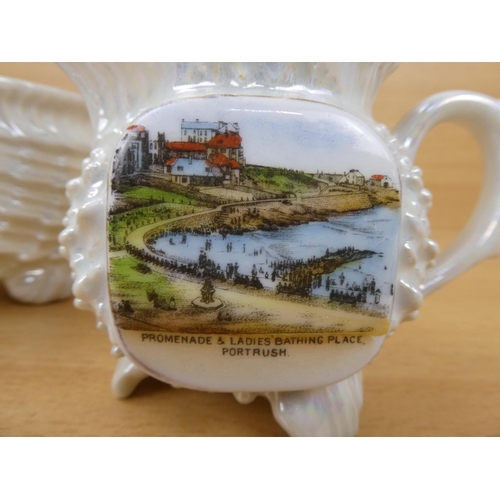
<point>290,313</point>
<point>136,237</point>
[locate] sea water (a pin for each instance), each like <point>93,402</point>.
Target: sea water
<point>373,229</point>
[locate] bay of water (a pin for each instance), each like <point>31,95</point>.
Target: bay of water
<point>375,229</point>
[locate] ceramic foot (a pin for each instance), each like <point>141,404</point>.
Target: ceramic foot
<point>327,411</point>
<point>126,378</point>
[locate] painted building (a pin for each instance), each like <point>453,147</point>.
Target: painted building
<point>193,150</point>
<point>202,132</point>
<point>186,171</point>
<point>229,168</point>
<point>228,144</point>
<point>380,181</point>
<point>197,131</point>
<point>223,151</point>
<point>158,150</point>
<point>132,154</point>
<point>353,177</point>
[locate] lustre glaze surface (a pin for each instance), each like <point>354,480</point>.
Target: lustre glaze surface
<point>316,390</point>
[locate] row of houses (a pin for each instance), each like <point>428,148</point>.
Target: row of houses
<point>356,178</point>
<point>209,153</point>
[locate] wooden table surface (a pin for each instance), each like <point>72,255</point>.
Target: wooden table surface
<point>437,376</point>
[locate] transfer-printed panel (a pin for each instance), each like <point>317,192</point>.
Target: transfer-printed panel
<point>232,215</point>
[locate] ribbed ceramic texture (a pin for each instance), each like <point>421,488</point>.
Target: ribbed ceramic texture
<point>44,135</point>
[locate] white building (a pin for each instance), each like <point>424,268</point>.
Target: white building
<point>353,177</point>
<point>198,131</point>
<point>204,131</point>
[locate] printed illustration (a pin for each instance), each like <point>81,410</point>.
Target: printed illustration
<point>222,227</point>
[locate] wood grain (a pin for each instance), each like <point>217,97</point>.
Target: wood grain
<point>437,376</point>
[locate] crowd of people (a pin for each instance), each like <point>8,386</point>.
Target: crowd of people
<point>203,268</point>
<point>295,277</point>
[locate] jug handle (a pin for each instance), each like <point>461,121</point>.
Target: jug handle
<point>480,238</point>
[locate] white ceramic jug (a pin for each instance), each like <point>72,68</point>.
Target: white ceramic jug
<point>249,228</point>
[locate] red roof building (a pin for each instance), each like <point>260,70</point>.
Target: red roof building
<point>229,140</point>
<point>190,147</point>
<point>381,181</point>
<point>234,164</point>
<point>170,162</point>
<point>221,160</point>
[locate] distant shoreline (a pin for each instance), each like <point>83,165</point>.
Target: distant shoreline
<point>266,215</point>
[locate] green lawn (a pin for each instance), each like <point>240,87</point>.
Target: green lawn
<point>154,194</point>
<point>127,283</point>
<point>280,180</point>
<point>121,224</point>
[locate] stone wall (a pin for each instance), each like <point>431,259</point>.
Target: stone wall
<point>339,203</point>
<point>195,222</point>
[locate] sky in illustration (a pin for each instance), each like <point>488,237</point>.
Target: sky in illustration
<point>283,133</point>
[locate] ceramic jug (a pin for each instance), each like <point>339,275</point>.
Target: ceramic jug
<point>249,227</point>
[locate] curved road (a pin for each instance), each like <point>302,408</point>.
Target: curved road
<point>289,313</point>
<point>136,237</point>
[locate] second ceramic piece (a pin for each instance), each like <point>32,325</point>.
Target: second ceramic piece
<point>44,136</point>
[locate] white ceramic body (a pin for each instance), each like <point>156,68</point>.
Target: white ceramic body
<point>116,94</point>
<point>126,91</point>
<point>44,136</point>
